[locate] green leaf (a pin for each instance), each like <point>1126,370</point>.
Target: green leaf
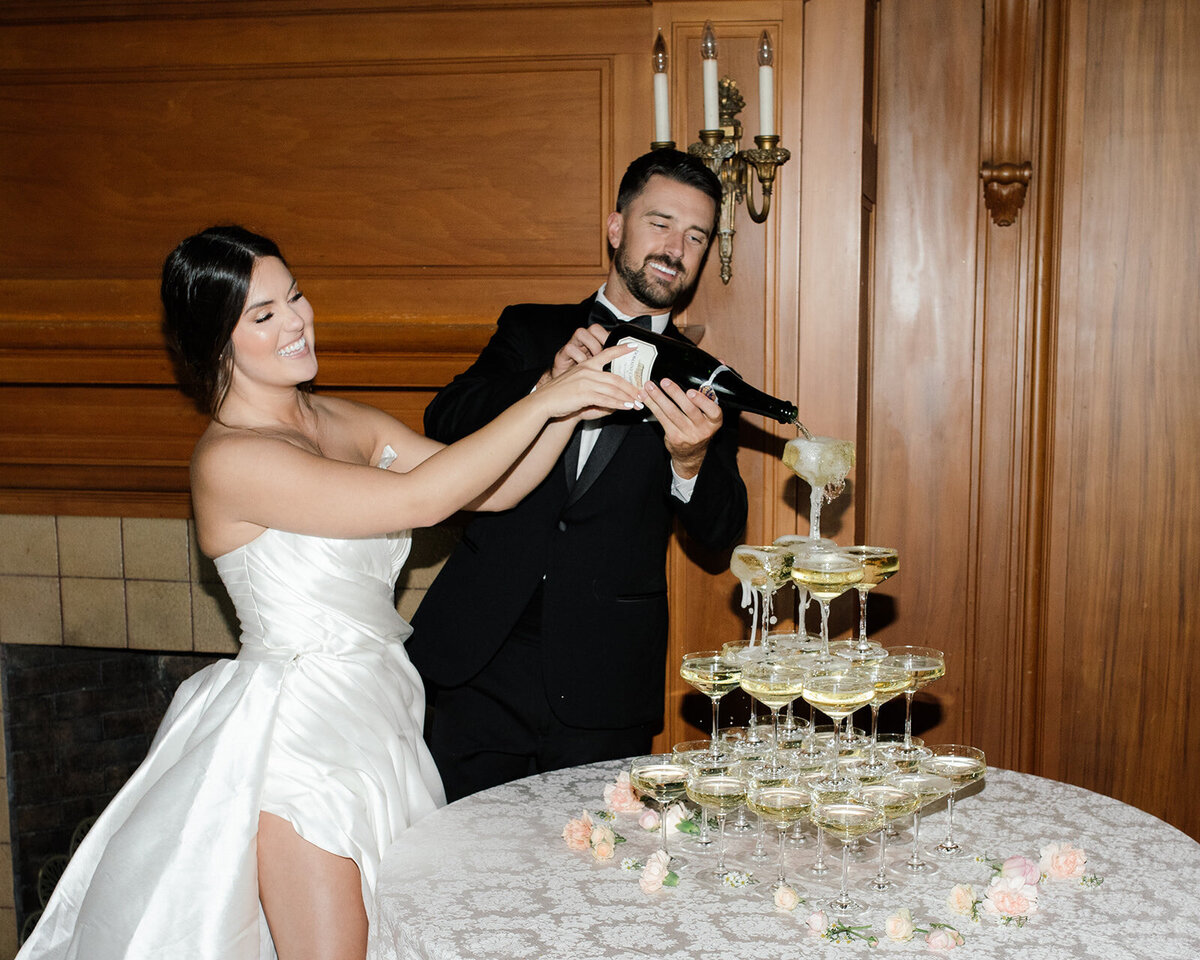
<point>671,879</point>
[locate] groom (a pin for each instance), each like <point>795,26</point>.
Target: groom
<point>542,641</point>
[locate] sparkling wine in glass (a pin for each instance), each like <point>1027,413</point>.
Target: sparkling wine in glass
<point>928,787</point>
<point>837,695</point>
<point>847,820</point>
<point>825,574</point>
<point>662,778</point>
<point>890,681</point>
<point>878,564</point>
<point>781,801</point>
<point>714,675</point>
<point>797,542</point>
<point>762,570</point>
<point>924,665</point>
<point>896,804</point>
<point>718,787</point>
<point>774,684</point>
<point>685,752</point>
<point>961,765</point>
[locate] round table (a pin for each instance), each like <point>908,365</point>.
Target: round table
<point>491,877</point>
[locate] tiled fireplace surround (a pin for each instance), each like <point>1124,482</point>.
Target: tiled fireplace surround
<point>137,584</point>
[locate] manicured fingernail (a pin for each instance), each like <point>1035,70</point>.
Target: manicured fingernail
<point>628,405</point>
<point>650,385</point>
<point>640,405</point>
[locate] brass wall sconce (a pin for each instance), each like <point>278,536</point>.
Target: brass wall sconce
<point>721,136</point>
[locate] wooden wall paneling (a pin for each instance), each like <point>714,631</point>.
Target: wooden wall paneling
<point>1125,484</point>
<point>923,378</point>
<point>421,168</point>
<point>996,649</point>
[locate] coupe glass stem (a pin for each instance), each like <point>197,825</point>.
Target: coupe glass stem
<point>837,747</point>
<point>782,847</point>
<point>824,627</point>
<point>720,872</point>
<point>820,866</point>
<point>914,860</point>
<point>863,646</point>
<point>843,901</point>
<point>948,845</point>
<point>716,702</point>
<point>908,699</point>
<point>881,882</point>
<point>662,828</point>
<point>874,733</point>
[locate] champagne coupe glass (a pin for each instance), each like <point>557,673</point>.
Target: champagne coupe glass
<point>781,800</point>
<point>718,786</point>
<point>742,652</point>
<point>826,574</point>
<point>797,542</point>
<point>714,675</point>
<point>762,569</point>
<point>776,685</point>
<point>896,803</point>
<point>928,787</point>
<point>878,563</point>
<point>837,695</point>
<point>890,681</point>
<point>960,764</point>
<point>847,820</point>
<point>684,753</point>
<point>663,778</point>
<point>824,791</point>
<point>924,665</point>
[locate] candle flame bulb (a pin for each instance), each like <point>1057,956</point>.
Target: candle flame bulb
<point>659,58</point>
<point>766,55</point>
<point>708,42</point>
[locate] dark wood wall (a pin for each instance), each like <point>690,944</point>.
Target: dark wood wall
<point>1021,395</point>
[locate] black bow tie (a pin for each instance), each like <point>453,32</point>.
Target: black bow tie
<point>602,315</point>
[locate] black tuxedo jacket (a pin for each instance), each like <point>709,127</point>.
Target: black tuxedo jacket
<point>597,546</point>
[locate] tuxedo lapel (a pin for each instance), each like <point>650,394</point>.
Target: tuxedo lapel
<point>611,435</point>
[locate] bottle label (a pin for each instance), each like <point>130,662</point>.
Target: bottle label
<point>706,387</point>
<point>636,367</point>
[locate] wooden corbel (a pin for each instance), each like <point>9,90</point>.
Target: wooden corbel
<point>1011,39</point>
<point>1004,187</point>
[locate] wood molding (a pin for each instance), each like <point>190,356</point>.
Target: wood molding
<point>1006,176</point>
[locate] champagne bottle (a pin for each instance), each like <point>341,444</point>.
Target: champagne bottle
<point>658,357</point>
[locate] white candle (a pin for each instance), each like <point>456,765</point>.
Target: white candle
<point>708,54</point>
<point>766,101</point>
<point>662,109</point>
<point>766,86</point>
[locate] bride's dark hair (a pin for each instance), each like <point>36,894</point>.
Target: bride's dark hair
<point>204,285</point>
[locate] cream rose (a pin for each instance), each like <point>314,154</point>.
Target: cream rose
<point>603,842</point>
<point>786,898</point>
<point>962,899</point>
<point>648,820</point>
<point>1061,861</point>
<point>817,923</point>
<point>655,872</point>
<point>674,815</point>
<point>899,926</point>
<point>1010,897</point>
<point>620,796</point>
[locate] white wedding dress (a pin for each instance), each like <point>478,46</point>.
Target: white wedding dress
<point>318,720</point>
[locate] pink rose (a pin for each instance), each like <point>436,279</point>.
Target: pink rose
<point>942,939</point>
<point>1022,867</point>
<point>1010,897</point>
<point>1061,861</point>
<point>899,926</point>
<point>578,833</point>
<point>603,842</point>
<point>620,796</point>
<point>817,923</point>
<point>786,898</point>
<point>648,820</point>
<point>655,872</point>
<point>962,899</point>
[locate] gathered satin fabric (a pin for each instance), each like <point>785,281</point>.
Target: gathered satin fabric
<point>318,720</point>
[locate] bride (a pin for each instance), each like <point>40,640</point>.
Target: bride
<point>257,821</point>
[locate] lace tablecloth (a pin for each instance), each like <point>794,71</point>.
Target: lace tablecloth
<point>491,877</point>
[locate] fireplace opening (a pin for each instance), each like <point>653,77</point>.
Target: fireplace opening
<point>77,723</point>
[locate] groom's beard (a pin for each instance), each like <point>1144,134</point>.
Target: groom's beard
<point>651,288</point>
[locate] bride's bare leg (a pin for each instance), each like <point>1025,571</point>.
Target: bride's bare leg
<point>312,898</point>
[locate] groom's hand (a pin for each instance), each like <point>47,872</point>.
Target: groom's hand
<point>584,344</point>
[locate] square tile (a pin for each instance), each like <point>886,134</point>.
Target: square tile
<point>30,610</point>
<point>214,622</point>
<point>28,545</point>
<point>93,612</point>
<point>159,614</point>
<point>89,546</point>
<point>8,931</point>
<point>155,549</point>
<point>431,546</point>
<point>408,600</point>
<point>203,569</point>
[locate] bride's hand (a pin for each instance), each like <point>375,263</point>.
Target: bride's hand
<point>587,391</point>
